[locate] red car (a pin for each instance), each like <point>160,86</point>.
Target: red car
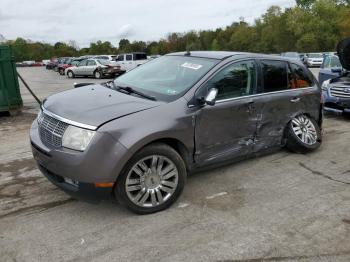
<point>68,63</point>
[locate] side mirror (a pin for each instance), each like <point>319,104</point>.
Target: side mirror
<point>210,99</point>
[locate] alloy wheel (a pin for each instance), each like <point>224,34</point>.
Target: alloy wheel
<point>304,129</point>
<point>152,181</point>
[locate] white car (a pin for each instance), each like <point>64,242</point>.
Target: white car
<point>106,57</point>
<point>131,60</point>
<point>314,59</point>
<point>45,61</point>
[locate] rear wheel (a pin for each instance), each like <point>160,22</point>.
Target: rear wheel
<point>97,74</point>
<point>152,180</point>
<point>303,134</point>
<point>70,74</point>
<point>61,71</point>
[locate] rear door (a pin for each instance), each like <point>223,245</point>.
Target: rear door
<point>90,67</point>
<point>226,130</point>
<point>286,91</point>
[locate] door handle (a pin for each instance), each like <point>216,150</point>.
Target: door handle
<point>295,100</point>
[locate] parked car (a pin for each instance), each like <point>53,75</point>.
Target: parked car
<point>97,68</point>
<point>336,91</point>
<point>130,61</point>
<point>137,137</point>
<point>52,64</point>
<point>106,57</point>
<point>330,68</point>
<point>69,63</point>
<point>294,56</point>
<point>313,59</point>
<point>28,63</point>
<point>45,61</point>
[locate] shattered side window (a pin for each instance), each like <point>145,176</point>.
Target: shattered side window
<point>302,79</point>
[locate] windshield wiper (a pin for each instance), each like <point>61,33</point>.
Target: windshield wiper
<point>130,90</point>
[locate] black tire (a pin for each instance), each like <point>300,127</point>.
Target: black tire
<point>153,149</point>
<point>98,74</point>
<point>70,74</point>
<point>61,71</point>
<point>296,145</point>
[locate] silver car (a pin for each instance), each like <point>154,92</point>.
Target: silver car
<point>97,68</point>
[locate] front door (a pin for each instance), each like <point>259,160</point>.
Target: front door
<point>226,130</point>
<point>81,67</point>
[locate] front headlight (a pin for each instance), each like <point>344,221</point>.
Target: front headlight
<point>77,138</point>
<point>325,85</point>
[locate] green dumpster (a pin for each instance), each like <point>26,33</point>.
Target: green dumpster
<point>10,96</point>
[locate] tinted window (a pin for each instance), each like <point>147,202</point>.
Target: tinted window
<point>128,57</point>
<point>235,80</point>
<point>275,75</point>
<point>120,58</point>
<point>301,78</point>
<point>140,56</point>
<point>91,63</point>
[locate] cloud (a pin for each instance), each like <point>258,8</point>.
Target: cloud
<point>125,31</point>
<point>147,20</point>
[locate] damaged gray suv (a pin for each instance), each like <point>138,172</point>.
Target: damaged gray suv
<point>136,138</point>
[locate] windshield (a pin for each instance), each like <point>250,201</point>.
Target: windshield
<point>167,78</point>
<point>315,55</point>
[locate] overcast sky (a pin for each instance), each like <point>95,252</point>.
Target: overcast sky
<point>89,20</point>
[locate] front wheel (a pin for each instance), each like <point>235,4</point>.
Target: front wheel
<point>303,134</point>
<point>152,180</point>
<point>70,74</point>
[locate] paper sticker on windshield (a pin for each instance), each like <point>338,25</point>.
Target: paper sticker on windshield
<point>191,66</point>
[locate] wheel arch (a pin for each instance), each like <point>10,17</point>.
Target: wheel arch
<point>175,144</point>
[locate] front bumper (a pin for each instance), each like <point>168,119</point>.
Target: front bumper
<point>83,191</point>
<point>314,63</point>
<point>101,162</point>
<point>335,104</point>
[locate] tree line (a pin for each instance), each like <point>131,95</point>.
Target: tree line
<point>310,26</point>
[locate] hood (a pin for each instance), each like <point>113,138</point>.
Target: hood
<point>341,81</point>
<point>95,104</point>
<point>343,50</point>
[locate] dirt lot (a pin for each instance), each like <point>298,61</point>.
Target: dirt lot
<point>280,207</point>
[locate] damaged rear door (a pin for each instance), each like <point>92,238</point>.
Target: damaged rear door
<point>287,90</point>
<point>226,130</point>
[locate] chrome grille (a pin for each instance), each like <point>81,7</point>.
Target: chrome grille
<point>51,130</point>
<point>343,92</point>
